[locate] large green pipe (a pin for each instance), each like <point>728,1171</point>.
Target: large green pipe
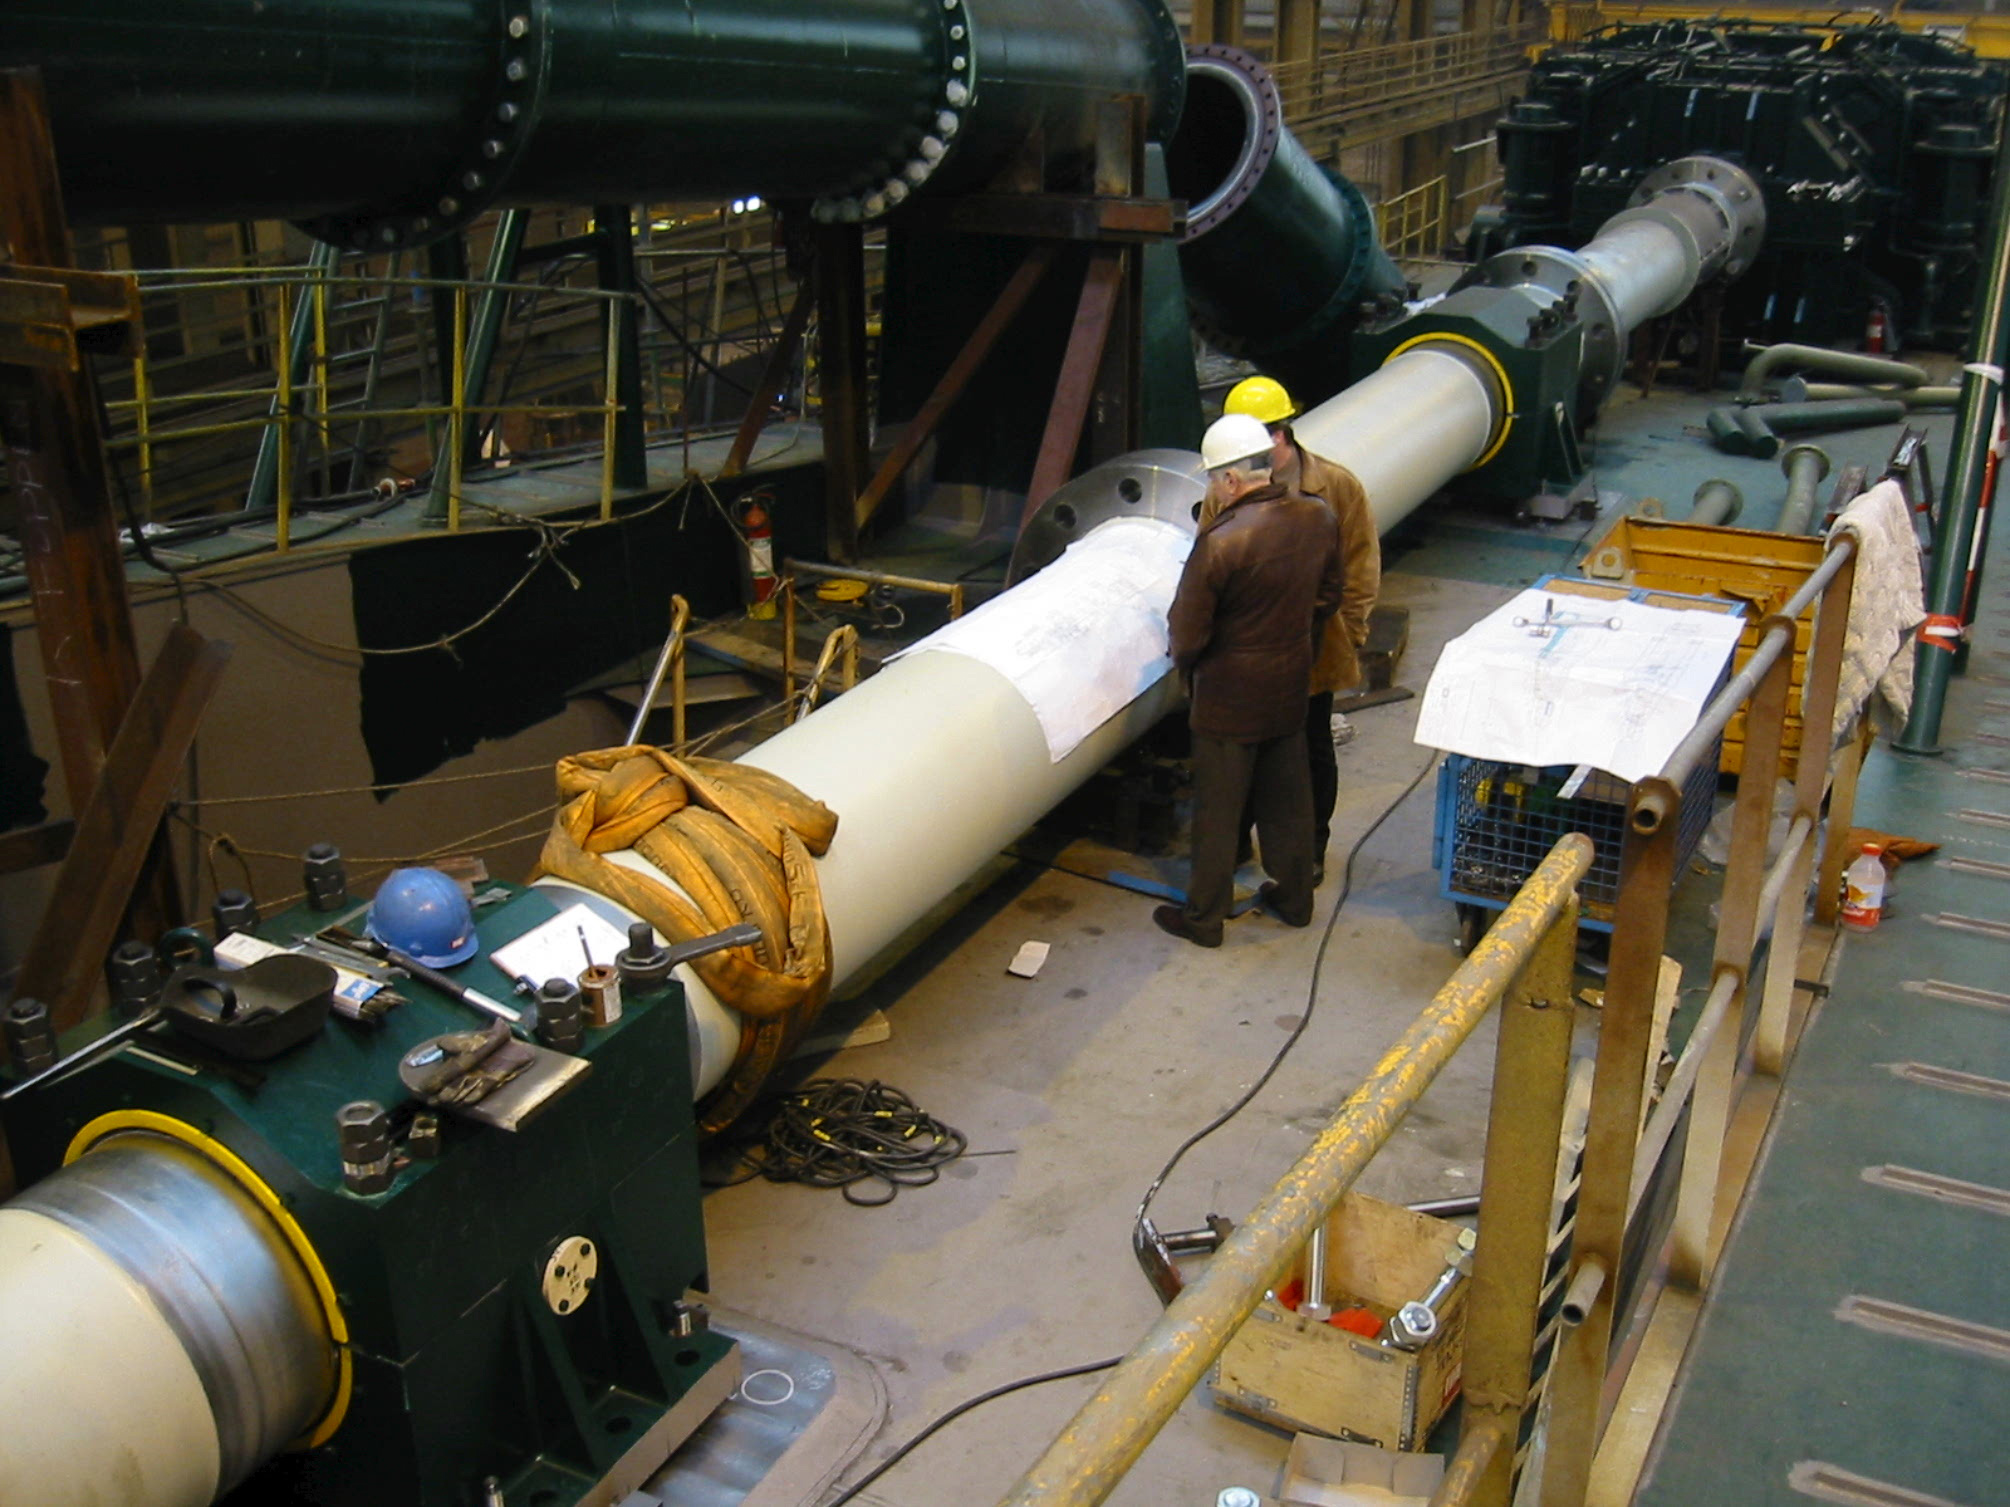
<point>384,122</point>
<point>1954,534</point>
<point>1279,254</point>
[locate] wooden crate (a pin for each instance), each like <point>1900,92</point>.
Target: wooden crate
<point>1317,1378</point>
<point>1748,565</point>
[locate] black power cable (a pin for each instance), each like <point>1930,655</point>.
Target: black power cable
<point>957,1412</point>
<point>845,1133</point>
<point>1312,994</point>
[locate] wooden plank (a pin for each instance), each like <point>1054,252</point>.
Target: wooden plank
<point>49,424</point>
<point>36,327</point>
<point>1388,636</point>
<point>35,847</point>
<point>997,319</point>
<point>1095,313</point>
<point>773,374</point>
<point>118,826</point>
<point>1056,217</point>
<point>838,275</point>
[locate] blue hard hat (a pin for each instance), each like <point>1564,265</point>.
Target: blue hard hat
<point>423,914</point>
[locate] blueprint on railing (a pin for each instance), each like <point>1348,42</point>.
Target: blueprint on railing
<point>1085,637</point>
<point>1550,678</point>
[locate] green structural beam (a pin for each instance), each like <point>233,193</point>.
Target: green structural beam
<point>378,124</point>
<point>1954,535</point>
<point>1280,255</point>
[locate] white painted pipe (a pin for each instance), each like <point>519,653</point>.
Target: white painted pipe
<point>98,1400</point>
<point>1405,430</point>
<point>933,766</point>
<point>1646,267</point>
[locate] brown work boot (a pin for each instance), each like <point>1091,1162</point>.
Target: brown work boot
<point>1266,895</point>
<point>1170,918</point>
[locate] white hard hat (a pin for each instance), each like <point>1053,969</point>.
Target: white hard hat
<point>1234,437</point>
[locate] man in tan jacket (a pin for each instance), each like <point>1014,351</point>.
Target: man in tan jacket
<point>1338,667</point>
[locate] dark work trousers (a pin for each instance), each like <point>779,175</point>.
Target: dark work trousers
<point>1325,770</point>
<point>1273,779</point>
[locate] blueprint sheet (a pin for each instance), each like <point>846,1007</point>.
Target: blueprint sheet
<point>1582,691</point>
<point>1080,645</point>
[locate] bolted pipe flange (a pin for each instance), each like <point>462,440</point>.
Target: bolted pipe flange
<point>1716,502</point>
<point>506,119</point>
<point>1734,199</point>
<point>1165,484</point>
<point>956,92</point>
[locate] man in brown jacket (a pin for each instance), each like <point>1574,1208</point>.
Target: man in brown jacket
<point>1245,623</point>
<point>1338,667</point>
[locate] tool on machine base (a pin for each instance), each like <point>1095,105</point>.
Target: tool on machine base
<point>645,963</point>
<point>488,1076</point>
<point>251,1013</point>
<point>452,988</point>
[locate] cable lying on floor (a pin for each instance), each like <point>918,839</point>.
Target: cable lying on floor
<point>840,1133</point>
<point>1312,995</point>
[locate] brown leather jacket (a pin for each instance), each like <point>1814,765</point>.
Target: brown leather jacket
<point>1263,576</point>
<point>1338,667</point>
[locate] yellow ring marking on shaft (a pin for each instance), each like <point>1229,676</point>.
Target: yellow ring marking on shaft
<point>1445,337</point>
<point>241,1171</point>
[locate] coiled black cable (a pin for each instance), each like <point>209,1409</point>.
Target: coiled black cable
<point>845,1133</point>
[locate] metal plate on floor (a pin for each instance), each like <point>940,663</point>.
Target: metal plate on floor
<point>804,1410</point>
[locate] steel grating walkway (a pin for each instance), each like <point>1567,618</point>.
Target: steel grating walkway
<point>1856,1347</point>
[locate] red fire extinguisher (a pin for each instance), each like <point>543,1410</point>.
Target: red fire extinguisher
<point>759,545</point>
<point>1877,333</point>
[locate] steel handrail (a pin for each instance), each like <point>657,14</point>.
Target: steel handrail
<point>1111,1430</point>
<point>1778,637</point>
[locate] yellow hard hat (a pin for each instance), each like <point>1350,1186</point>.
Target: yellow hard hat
<point>1262,398</point>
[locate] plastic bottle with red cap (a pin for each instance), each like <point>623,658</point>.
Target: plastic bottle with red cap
<point>1863,889</point>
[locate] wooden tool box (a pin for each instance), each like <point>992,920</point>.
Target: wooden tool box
<point>1313,1376</point>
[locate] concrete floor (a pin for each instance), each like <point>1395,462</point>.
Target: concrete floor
<point>1073,1087</point>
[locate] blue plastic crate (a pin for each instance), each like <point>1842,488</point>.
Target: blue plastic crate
<point>1496,821</point>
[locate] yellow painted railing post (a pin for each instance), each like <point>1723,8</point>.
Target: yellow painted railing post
<point>457,406</point>
<point>1524,1126</point>
<point>1085,1462</point>
<point>610,408</point>
<point>284,418</point>
<point>1639,934</point>
<point>143,412</point>
<point>321,375</point>
<point>1690,1256</point>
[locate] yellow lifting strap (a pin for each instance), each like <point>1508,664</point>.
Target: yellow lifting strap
<point>738,841</point>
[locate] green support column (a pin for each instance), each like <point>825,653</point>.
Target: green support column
<point>1954,537</point>
<point>484,333</point>
<point>615,255</point>
<point>300,357</point>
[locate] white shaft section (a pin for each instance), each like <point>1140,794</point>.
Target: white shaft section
<point>98,1399</point>
<point>1405,430</point>
<point>932,766</point>
<point>1646,268</point>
